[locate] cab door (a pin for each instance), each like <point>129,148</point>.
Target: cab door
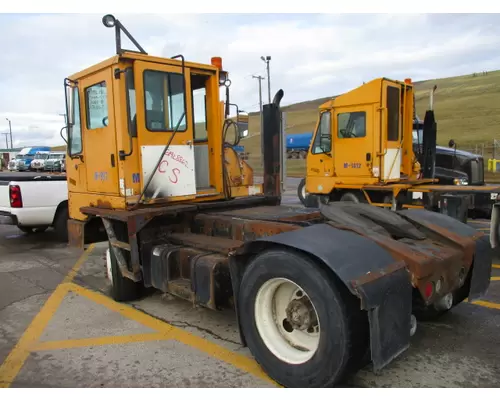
<point>164,109</point>
<point>353,138</point>
<point>391,132</point>
<point>99,131</point>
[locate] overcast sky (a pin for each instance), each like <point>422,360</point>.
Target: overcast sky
<point>312,55</point>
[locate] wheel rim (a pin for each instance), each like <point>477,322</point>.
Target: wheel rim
<point>303,191</point>
<point>108,267</point>
<point>287,321</point>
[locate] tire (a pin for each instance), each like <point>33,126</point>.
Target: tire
<point>61,224</point>
<point>353,197</point>
<point>336,340</point>
<point>122,289</point>
<point>301,192</point>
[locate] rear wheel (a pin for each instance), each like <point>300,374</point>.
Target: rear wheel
<point>122,289</point>
<point>61,223</point>
<point>295,321</point>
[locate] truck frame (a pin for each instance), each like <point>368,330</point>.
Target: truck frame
<point>317,293</point>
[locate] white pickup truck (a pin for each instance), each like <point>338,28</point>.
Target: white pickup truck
<point>34,202</point>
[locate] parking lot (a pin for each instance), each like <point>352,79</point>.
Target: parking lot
<point>60,328</point>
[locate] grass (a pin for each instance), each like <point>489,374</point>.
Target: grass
<point>467,109</point>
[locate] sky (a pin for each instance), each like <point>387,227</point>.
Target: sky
<point>312,55</point>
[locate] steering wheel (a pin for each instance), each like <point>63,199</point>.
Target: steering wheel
<point>346,134</point>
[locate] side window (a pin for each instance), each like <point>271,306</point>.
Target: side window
<point>97,106</point>
<point>444,161</point>
<point>131,104</point>
<point>392,113</point>
<point>75,134</point>
<point>199,95</point>
<point>323,138</point>
<point>352,125</point>
<point>165,100</point>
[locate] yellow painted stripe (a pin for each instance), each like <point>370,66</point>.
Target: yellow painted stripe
<point>483,229</point>
<point>495,278</point>
<point>20,353</point>
<point>237,360</point>
<point>99,341</point>
<point>487,304</point>
<point>121,308</point>
<point>496,266</point>
<point>72,273</point>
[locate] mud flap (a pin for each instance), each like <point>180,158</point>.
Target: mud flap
<point>481,269</point>
<point>388,300</point>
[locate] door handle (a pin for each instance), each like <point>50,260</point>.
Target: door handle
<point>368,157</point>
<point>113,160</point>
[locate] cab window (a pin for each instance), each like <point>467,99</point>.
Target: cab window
<point>351,125</point>
<point>165,101</point>
<point>75,130</point>
<point>199,96</point>
<point>97,106</point>
<point>323,139</point>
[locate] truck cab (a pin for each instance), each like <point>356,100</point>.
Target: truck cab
<point>27,155</point>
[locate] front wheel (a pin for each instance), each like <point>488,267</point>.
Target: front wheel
<point>295,321</point>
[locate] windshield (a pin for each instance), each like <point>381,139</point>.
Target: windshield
<point>20,156</point>
<point>41,156</point>
<point>57,156</point>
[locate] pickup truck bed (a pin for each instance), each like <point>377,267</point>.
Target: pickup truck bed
<point>34,201</point>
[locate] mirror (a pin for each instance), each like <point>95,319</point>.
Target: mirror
<point>451,143</point>
<point>70,103</point>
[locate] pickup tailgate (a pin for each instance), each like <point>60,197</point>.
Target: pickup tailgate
<point>4,196</point>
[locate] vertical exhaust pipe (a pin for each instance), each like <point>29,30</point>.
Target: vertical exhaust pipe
<point>273,144</point>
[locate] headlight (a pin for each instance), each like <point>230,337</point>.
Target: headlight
<point>460,181</point>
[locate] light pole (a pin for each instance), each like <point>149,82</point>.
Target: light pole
<point>10,131</point>
<point>266,60</point>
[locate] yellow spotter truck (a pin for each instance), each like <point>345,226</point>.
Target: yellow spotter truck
<point>317,293</point>
<point>362,151</point>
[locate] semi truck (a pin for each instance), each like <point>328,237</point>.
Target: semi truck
<point>297,145</point>
<point>317,293</point>
<point>23,159</point>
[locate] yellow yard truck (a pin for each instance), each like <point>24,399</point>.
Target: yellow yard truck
<point>317,293</point>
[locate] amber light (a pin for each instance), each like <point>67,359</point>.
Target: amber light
<point>217,62</point>
<point>408,81</point>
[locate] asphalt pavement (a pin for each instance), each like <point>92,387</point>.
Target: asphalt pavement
<point>60,328</point>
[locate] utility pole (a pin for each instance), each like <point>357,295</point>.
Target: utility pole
<point>266,60</point>
<point>10,131</point>
<point>260,78</point>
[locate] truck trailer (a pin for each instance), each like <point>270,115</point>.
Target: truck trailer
<point>318,293</point>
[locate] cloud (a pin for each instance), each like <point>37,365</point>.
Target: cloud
<point>313,55</point>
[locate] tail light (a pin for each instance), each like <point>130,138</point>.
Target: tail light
<point>429,289</point>
<point>16,200</point>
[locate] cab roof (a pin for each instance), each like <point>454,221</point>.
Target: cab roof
<point>128,55</point>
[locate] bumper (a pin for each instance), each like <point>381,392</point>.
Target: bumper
<point>7,218</point>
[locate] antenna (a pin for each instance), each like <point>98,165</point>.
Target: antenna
<point>109,21</point>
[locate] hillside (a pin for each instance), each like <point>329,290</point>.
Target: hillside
<point>467,109</point>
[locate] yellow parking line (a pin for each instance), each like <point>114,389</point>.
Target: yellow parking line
<point>19,354</point>
<point>495,278</point>
<point>121,308</point>
<point>99,341</point>
<point>487,304</point>
<point>496,266</point>
<point>237,360</point>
